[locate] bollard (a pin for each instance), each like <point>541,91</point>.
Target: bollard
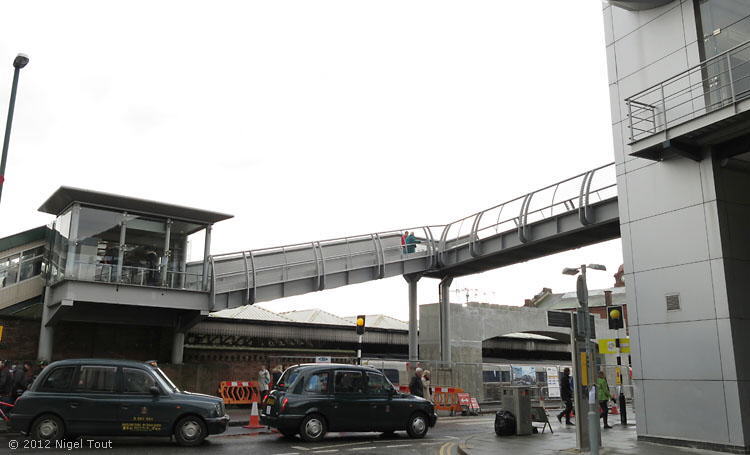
<point>623,409</point>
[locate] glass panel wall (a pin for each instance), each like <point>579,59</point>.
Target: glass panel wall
<point>97,244</point>
<point>21,266</point>
<point>144,249</point>
<point>93,244</point>
<point>60,244</point>
<point>725,24</point>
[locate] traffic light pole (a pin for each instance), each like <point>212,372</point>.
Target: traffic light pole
<point>359,350</point>
<point>593,416</point>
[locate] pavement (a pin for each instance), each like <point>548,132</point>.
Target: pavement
<point>470,435</point>
<point>620,440</point>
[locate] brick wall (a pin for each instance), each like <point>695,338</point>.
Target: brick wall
<point>20,339</point>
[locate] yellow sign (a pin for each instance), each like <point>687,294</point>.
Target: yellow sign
<point>625,345</point>
<point>609,346</point>
<point>360,322</point>
<point>584,370</point>
<point>618,376</point>
<point>1,333</point>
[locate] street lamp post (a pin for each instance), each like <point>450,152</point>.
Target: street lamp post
<point>583,299</point>
<point>19,62</point>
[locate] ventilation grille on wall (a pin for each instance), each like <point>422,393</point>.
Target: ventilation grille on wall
<point>673,302</point>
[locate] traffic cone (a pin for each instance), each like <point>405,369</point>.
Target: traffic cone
<point>254,418</point>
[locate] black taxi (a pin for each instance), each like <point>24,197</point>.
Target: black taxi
<point>78,397</point>
<point>313,399</point>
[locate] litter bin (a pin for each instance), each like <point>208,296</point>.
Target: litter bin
<point>517,401</point>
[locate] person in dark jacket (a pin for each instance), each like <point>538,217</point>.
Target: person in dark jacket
<point>276,375</point>
<point>566,395</point>
<point>415,386</point>
<point>21,379</point>
<point>6,382</point>
<point>411,243</point>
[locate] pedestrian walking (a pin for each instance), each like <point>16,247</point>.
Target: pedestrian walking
<point>426,385</point>
<point>264,379</point>
<point>276,375</point>
<point>603,395</point>
<point>411,242</point>
<point>403,240</point>
<point>415,386</point>
<point>566,394</point>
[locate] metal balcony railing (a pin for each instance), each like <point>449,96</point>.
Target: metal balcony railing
<point>715,83</point>
<point>574,193</point>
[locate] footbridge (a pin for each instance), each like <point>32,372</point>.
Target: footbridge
<point>578,211</point>
<point>575,212</point>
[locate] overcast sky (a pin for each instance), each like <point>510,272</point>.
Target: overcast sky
<point>312,119</point>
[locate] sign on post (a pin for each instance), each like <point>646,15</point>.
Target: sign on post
<point>558,318</point>
<point>553,382</point>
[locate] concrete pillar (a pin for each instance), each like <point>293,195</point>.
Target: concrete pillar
<point>445,319</point>
<point>206,254</point>
<point>413,327</point>
<point>46,334</point>
<point>178,347</point>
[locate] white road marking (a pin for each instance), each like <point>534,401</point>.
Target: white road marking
<point>300,448</point>
<point>397,445</point>
<point>362,448</point>
<point>290,453</point>
<point>325,451</point>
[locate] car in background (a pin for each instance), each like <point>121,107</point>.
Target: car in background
<point>104,397</point>
<point>313,399</point>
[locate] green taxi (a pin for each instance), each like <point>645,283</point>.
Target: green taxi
<point>103,397</point>
<point>312,399</point>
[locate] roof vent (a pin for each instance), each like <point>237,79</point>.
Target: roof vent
<point>673,302</point>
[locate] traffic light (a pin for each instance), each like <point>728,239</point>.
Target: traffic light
<point>615,317</point>
<point>360,325</point>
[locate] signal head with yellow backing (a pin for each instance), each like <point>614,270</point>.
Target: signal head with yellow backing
<point>360,325</point>
<point>614,317</point>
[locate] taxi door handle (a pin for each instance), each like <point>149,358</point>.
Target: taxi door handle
<point>73,404</point>
<point>124,407</point>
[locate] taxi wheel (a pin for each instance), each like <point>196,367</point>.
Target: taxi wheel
<point>417,425</point>
<point>312,428</point>
<point>190,431</point>
<point>48,428</point>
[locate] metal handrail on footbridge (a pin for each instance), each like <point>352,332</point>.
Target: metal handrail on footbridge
<point>381,252</point>
<point>564,196</point>
<point>574,193</point>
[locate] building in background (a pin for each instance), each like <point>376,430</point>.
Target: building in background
<point>679,84</point>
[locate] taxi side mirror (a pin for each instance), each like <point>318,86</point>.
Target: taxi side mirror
<point>154,390</point>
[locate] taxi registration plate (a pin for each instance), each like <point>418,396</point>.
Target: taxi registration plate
<point>270,401</point>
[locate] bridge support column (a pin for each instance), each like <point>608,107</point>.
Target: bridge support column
<point>46,333</point>
<point>413,328</point>
<point>178,347</point>
<point>445,319</point>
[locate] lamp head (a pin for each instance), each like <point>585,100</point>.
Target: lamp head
<point>570,271</point>
<point>597,267</point>
<point>20,61</point>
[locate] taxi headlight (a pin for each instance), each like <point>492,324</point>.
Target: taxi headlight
<point>219,409</point>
